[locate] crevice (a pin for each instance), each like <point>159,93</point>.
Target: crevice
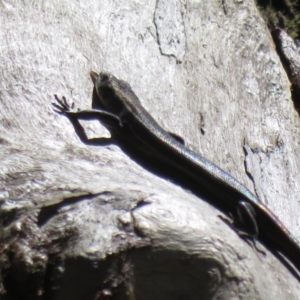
<point>283,20</point>
<point>48,212</point>
<point>289,55</point>
<point>170,31</point>
<point>245,164</point>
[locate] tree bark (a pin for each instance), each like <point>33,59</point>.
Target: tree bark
<point>85,222</point>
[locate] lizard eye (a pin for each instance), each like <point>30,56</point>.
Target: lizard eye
<point>104,77</point>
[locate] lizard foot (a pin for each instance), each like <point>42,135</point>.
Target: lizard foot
<point>62,106</point>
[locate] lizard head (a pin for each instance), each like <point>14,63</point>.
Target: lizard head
<point>112,94</point>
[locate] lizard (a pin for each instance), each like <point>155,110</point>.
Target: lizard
<point>139,136</point>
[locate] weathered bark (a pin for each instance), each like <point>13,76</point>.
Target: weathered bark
<point>82,222</point>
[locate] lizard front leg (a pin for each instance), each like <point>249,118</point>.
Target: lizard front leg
<point>109,120</point>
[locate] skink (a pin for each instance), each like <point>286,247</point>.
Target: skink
<point>133,129</point>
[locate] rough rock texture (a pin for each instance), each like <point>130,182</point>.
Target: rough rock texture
<point>81,222</point>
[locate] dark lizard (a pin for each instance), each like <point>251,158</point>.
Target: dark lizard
<point>133,129</point>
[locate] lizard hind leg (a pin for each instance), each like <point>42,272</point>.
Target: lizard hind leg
<point>245,224</point>
<point>247,218</point>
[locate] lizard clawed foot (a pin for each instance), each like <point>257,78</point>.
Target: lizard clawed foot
<point>244,235</point>
<point>62,106</point>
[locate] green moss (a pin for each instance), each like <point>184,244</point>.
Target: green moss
<point>282,13</point>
